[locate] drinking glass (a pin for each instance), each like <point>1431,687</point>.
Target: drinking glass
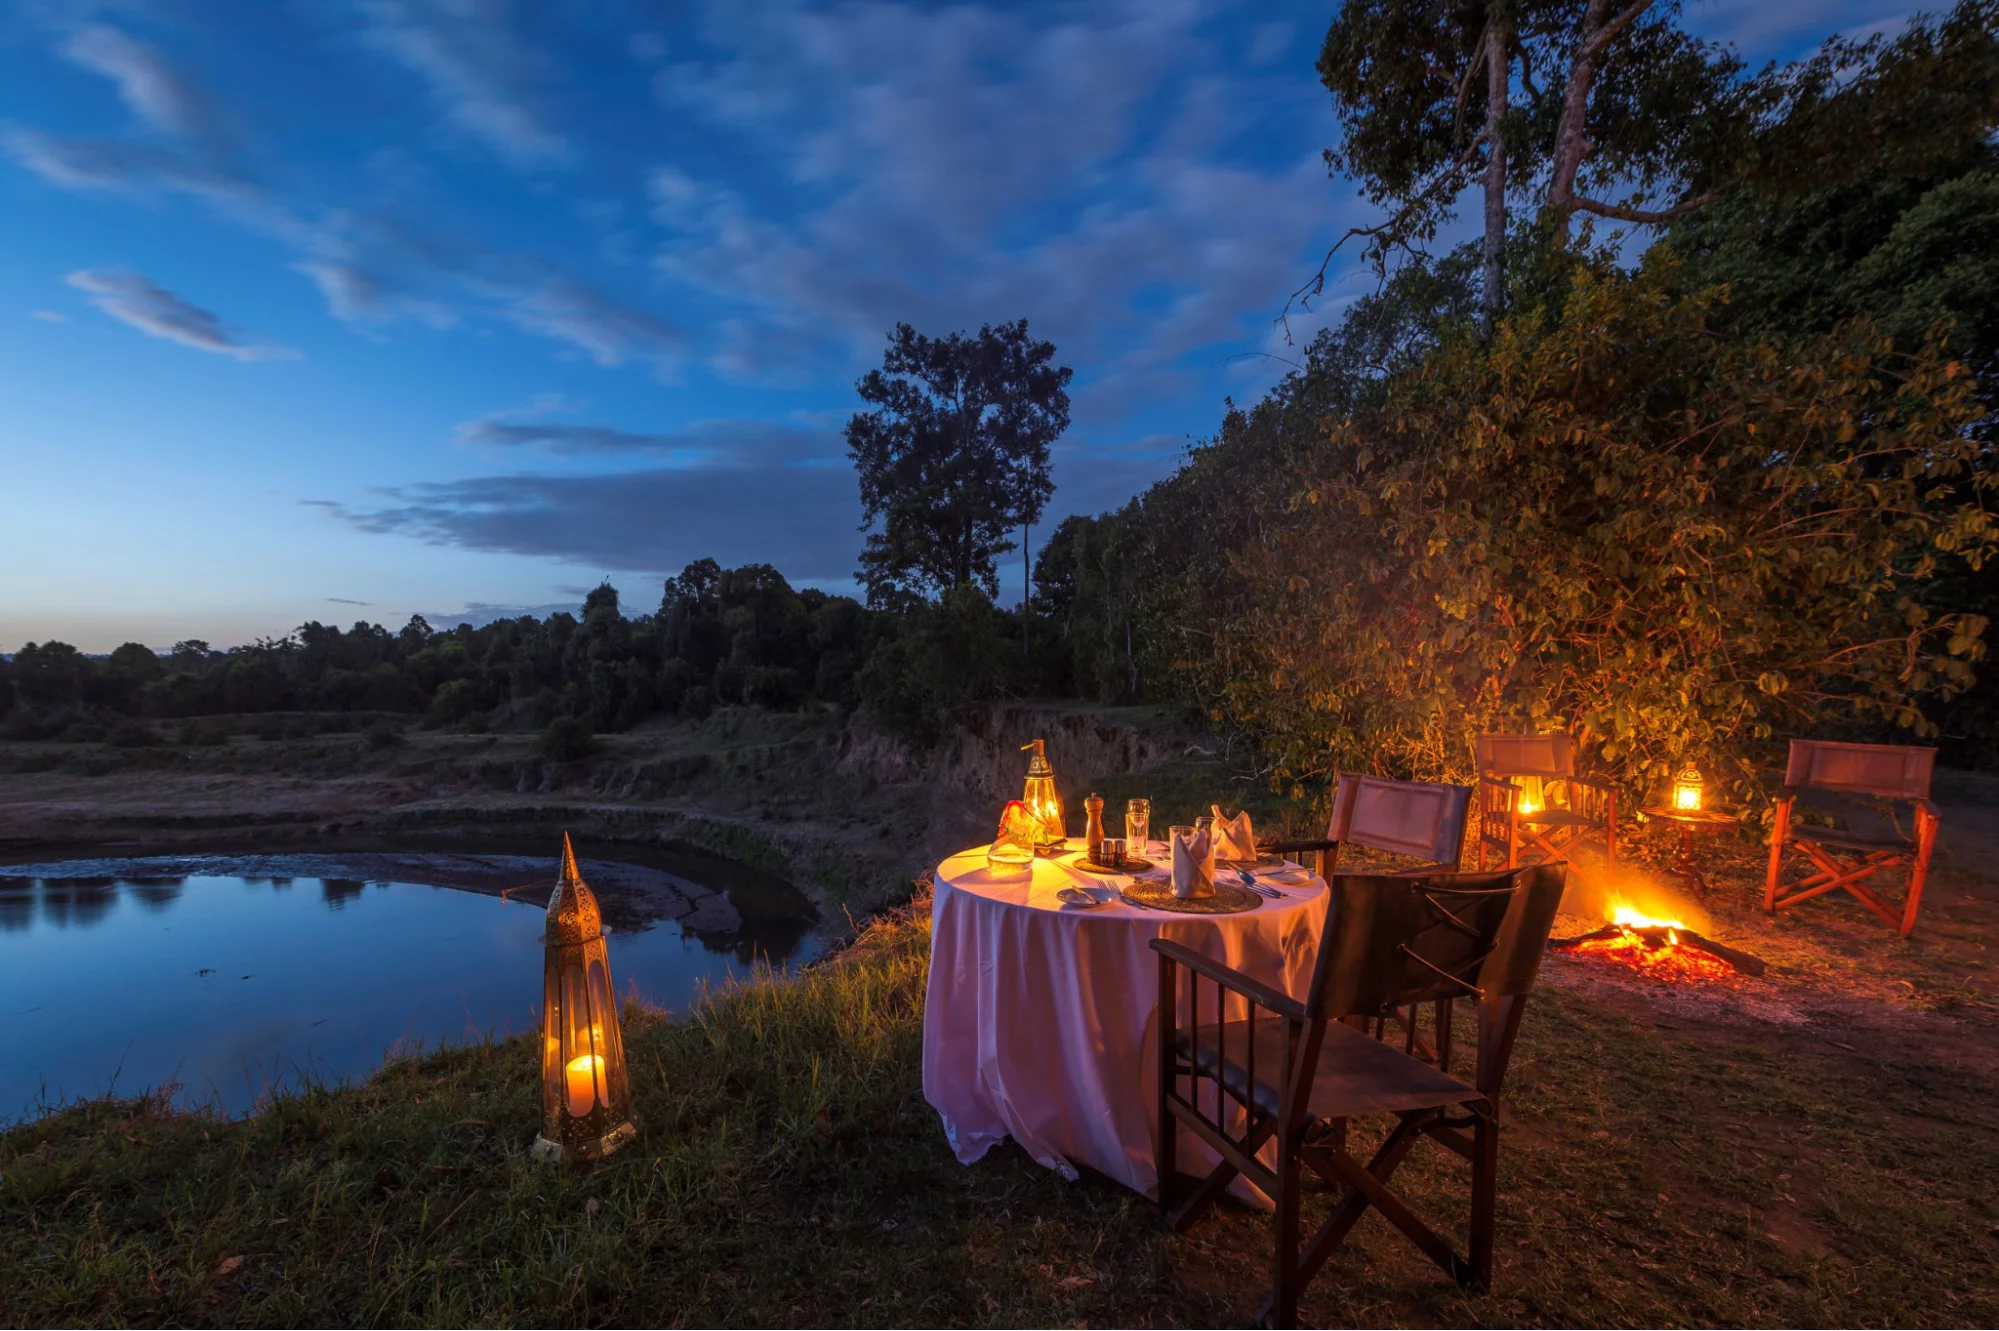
<point>1138,824</point>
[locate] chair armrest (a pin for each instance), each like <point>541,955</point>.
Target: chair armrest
<point>1783,793</point>
<point>1593,783</point>
<point>1230,978</point>
<point>1929,808</point>
<point>1294,847</point>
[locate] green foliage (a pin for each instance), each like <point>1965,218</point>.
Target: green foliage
<point>383,735</point>
<point>941,658</point>
<point>953,455</point>
<point>1618,519</point>
<point>566,740</point>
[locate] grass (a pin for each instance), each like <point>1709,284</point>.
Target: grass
<point>788,1172</point>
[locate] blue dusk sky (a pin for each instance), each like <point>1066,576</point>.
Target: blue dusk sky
<point>341,309</point>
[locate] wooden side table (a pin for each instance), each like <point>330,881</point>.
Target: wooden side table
<point>1690,821</point>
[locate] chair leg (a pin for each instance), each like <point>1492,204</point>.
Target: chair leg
<point>1167,1130</point>
<point>1780,830</point>
<point>1285,1283</point>
<point>1484,1198</point>
<point>1926,838</point>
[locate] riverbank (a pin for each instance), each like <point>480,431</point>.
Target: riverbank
<point>848,813</point>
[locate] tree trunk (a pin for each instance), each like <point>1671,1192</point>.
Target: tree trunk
<point>1498,41</point>
<point>1026,593</point>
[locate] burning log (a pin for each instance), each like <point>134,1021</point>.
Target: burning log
<point>1664,935</point>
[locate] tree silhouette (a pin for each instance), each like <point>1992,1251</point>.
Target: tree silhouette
<point>954,454</point>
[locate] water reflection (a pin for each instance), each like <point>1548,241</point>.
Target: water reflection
<point>337,892</point>
<point>77,902</point>
<point>228,986</point>
<point>17,904</point>
<point>157,893</point>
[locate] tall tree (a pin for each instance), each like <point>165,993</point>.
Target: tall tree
<point>1609,109</point>
<point>954,454</point>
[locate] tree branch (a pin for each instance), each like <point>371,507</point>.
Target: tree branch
<point>1622,213</point>
<point>1302,297</point>
<point>1572,143</point>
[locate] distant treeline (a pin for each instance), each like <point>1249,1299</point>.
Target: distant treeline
<point>720,637</point>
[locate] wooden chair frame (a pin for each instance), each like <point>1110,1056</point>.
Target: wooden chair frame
<point>1585,812</point>
<point>1498,970</point>
<point>1340,831</point>
<point>1884,771</point>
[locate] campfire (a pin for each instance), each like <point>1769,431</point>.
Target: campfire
<point>1664,948</point>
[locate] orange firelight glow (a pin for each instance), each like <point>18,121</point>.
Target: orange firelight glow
<point>1666,960</point>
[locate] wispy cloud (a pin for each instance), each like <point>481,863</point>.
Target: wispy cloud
<point>721,443</point>
<point>152,88</point>
<point>347,600</point>
<point>51,316</point>
<point>652,520</point>
<point>479,70</point>
<point>153,310</point>
<point>609,331</point>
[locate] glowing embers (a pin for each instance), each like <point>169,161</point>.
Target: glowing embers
<point>1663,948</point>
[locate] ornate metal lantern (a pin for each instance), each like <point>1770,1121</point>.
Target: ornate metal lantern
<point>586,1093</point>
<point>1687,789</point>
<point>1041,799</point>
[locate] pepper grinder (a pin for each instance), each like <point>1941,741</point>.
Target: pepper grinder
<point>1093,832</point>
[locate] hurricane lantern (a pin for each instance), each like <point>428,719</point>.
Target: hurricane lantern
<point>1041,799</point>
<point>586,1093</point>
<point>1532,797</point>
<point>1687,789</point>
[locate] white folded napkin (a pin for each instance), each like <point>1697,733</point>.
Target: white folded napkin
<point>1233,839</point>
<point>1193,865</point>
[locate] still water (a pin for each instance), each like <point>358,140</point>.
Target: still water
<point>229,986</point>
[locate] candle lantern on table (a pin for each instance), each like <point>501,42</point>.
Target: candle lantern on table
<point>586,1095</point>
<point>1686,810</point>
<point>1042,800</point>
<point>1687,788</point>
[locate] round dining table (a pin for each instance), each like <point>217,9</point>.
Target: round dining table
<point>1039,1017</point>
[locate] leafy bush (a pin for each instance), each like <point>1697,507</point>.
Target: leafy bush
<point>134,736</point>
<point>454,701</point>
<point>567,739</point>
<point>775,687</point>
<point>198,734</point>
<point>383,735</point>
<point>1614,521</point>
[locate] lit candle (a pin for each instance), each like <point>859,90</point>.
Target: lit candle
<point>582,1075</point>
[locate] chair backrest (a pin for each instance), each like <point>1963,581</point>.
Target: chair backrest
<point>1424,819</point>
<point>1895,771</point>
<point>1393,940</point>
<point>1545,756</point>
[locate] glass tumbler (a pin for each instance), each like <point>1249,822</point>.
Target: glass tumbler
<point>1138,824</point>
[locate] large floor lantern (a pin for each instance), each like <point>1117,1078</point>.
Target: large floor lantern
<point>586,1094</point>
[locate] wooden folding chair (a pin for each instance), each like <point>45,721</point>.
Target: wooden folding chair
<point>1530,799</point>
<point>1845,858</point>
<point>1259,1080</point>
<point>1423,821</point>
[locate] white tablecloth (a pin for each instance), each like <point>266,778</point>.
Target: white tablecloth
<point>1038,1023</point>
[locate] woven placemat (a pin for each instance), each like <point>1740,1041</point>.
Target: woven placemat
<point>1229,899</point>
<point>1132,864</point>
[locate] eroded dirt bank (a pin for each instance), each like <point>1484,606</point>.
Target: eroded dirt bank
<point>847,813</point>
